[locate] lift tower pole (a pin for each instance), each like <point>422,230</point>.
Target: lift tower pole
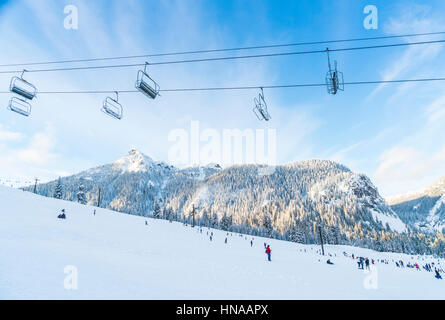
<point>98,199</point>
<point>321,239</point>
<point>35,185</point>
<point>193,216</point>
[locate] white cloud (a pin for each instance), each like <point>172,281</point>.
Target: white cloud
<point>7,135</point>
<point>39,151</point>
<point>403,169</point>
<point>33,159</point>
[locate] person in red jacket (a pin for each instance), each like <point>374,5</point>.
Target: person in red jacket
<point>268,251</point>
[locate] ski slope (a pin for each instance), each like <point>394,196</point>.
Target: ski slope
<point>117,256</point>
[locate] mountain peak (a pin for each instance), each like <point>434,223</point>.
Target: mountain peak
<point>134,161</point>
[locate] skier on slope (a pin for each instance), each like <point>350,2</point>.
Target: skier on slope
<point>225,241</point>
<point>268,252</point>
<point>437,276</point>
<point>360,263</point>
<point>62,215</point>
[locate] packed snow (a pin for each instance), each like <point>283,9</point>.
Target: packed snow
<point>119,256</point>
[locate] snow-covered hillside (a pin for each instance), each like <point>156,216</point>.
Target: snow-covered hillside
<point>117,256</point>
<point>259,200</point>
<point>424,209</point>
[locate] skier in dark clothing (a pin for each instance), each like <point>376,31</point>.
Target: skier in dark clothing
<point>437,276</point>
<point>251,243</point>
<point>360,263</point>
<point>329,261</point>
<point>367,263</point>
<point>268,252</point>
<point>62,215</point>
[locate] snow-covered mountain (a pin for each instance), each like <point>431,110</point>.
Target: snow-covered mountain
<point>131,184</point>
<point>424,209</point>
<point>272,201</point>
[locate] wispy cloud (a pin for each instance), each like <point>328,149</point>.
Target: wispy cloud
<point>8,135</point>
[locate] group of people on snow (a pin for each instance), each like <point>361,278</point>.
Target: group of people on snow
<point>362,262</point>
<point>365,263</point>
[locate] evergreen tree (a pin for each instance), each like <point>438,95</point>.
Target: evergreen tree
<point>81,198</point>
<point>164,214</point>
<point>205,219</point>
<point>58,190</point>
<point>334,235</point>
<point>295,234</point>
<point>156,211</point>
<point>267,226</point>
<point>214,221</point>
<point>226,223</point>
<point>170,215</point>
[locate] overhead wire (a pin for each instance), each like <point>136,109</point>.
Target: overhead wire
<point>224,58</point>
<point>221,49</point>
<point>242,87</point>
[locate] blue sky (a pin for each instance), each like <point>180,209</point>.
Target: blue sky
<point>393,133</point>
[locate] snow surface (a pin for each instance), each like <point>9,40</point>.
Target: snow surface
<point>394,222</point>
<point>433,219</point>
<point>118,257</point>
<point>135,161</point>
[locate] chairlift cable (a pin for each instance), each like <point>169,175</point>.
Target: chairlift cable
<point>243,87</point>
<point>226,58</point>
<point>220,50</point>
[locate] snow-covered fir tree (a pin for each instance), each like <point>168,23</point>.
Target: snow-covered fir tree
<point>81,197</point>
<point>226,223</point>
<point>58,190</point>
<point>297,235</point>
<point>156,211</point>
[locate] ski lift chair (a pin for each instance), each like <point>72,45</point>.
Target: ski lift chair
<point>19,106</point>
<point>260,108</point>
<point>112,107</point>
<point>334,78</point>
<point>147,85</point>
<point>22,87</point>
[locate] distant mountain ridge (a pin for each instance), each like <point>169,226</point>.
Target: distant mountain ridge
<point>424,209</point>
<point>259,198</point>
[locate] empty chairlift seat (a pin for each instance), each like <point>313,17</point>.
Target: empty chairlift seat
<point>113,108</point>
<point>19,106</point>
<point>260,108</point>
<point>23,88</point>
<point>147,85</point>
